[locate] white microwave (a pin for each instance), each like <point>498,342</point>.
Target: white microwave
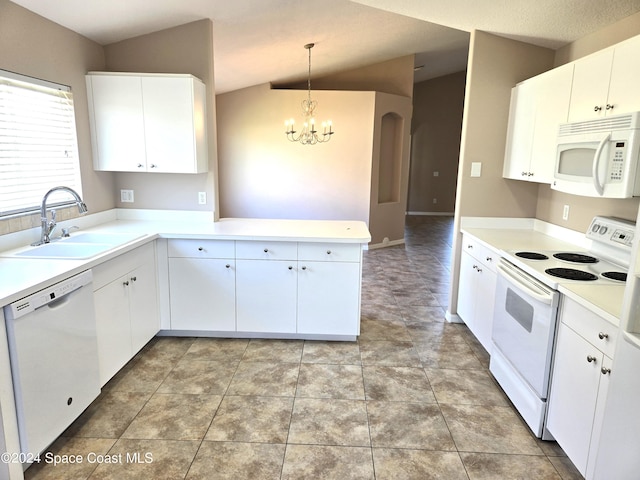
<point>599,158</point>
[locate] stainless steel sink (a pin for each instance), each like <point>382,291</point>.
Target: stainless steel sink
<point>76,247</point>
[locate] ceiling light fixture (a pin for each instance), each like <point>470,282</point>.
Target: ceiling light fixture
<point>309,135</point>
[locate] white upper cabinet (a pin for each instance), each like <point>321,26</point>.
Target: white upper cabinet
<point>605,83</point>
<point>147,122</point>
<point>538,106</point>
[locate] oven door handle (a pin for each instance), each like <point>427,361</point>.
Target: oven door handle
<point>532,289</point>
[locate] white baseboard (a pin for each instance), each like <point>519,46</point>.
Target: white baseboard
<point>387,243</point>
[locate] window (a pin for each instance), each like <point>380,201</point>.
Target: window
<point>38,145</point>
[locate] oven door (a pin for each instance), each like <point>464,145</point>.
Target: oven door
<point>524,325</point>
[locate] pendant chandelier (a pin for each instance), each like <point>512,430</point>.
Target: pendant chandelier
<point>308,135</point>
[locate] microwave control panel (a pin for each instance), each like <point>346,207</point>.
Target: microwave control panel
<point>616,162</point>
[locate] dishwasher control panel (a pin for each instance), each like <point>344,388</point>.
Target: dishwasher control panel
<point>50,294</point>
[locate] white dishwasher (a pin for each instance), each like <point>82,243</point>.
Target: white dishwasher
<point>54,359</point>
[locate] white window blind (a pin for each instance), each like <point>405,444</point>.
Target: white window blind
<point>38,145</point>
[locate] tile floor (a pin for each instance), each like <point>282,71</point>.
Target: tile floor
<point>412,399</point>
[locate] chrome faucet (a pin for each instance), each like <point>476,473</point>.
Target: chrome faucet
<point>48,226</point>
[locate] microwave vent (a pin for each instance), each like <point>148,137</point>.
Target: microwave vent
<point>607,124</point>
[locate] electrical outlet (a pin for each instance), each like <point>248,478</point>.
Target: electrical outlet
<point>202,198</point>
<point>435,200</point>
<point>436,174</point>
<point>565,212</point>
<point>126,196</point>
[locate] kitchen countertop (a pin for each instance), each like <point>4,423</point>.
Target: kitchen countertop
<point>23,276</point>
<point>604,300</point>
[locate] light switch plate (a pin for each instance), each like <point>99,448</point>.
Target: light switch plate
<point>476,169</point>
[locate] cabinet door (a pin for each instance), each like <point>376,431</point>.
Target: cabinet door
<point>115,104</point>
<point>113,327</point>
<point>329,298</point>
<point>467,288</point>
<point>552,92</point>
<point>266,296</point>
<point>169,124</point>
<point>517,157</point>
<point>143,305</point>
<point>573,397</point>
<point>202,294</point>
<point>590,86</point>
<point>623,88</point>
<point>484,305</point>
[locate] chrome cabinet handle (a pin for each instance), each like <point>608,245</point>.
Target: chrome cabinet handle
<point>609,106</point>
<point>328,252</point>
<point>489,259</point>
<point>603,335</point>
<point>266,250</point>
<point>605,371</point>
<point>200,249</point>
<point>126,284</point>
<point>597,108</point>
<point>469,246</point>
<point>133,279</point>
<point>290,267</point>
<point>304,268</point>
<point>153,165</point>
<point>591,358</point>
<point>140,165</point>
<point>227,266</point>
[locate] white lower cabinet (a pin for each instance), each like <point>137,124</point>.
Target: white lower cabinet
<point>266,296</point>
<point>477,287</point>
<point>202,284</point>
<point>579,383</point>
<point>285,288</point>
<point>126,304</point>
<point>329,298</point>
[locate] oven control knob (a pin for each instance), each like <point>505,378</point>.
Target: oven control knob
<point>595,228</point>
<point>603,230</point>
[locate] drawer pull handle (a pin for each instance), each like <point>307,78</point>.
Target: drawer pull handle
<point>603,335</point>
<point>200,249</point>
<point>597,108</point>
<point>133,279</point>
<point>266,250</point>
<point>469,246</point>
<point>591,358</point>
<point>605,371</point>
<point>126,284</point>
<point>304,268</point>
<point>227,266</point>
<point>290,267</point>
<point>489,259</point>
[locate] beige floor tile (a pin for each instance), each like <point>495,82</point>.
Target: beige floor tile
<point>109,415</point>
<point>486,466</point>
<point>408,425</point>
<point>397,384</point>
<point>330,381</point>
<point>448,355</point>
<point>337,353</point>
<point>170,416</point>
<point>237,461</point>
<point>217,349</point>
<point>252,419</point>
<point>280,351</point>
<point>335,422</point>
<point>392,330</point>
<point>465,387</point>
<point>389,352</point>
<point>146,459</point>
<point>405,464</point>
<point>197,377</point>
<point>489,429</point>
<point>69,459</point>
<point>265,379</point>
<point>327,463</point>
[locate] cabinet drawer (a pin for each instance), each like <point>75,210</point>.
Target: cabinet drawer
<point>267,250</point>
<point>111,269</point>
<point>201,248</point>
<point>329,252</point>
<point>488,257</point>
<point>593,328</point>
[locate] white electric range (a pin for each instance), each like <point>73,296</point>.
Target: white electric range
<point>526,305</point>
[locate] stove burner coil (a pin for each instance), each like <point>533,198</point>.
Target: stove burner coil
<point>571,274</point>
<point>619,276</point>
<point>575,257</point>
<point>532,255</point>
